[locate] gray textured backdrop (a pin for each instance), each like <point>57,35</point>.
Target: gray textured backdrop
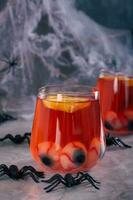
<point>56,40</point>
<point>116,14</point>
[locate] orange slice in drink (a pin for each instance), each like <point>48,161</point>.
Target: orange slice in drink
<point>127,79</point>
<point>112,77</point>
<point>130,81</point>
<point>65,103</point>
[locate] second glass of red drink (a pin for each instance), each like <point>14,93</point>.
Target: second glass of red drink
<point>116,100</point>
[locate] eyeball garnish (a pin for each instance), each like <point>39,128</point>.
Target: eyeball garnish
<point>46,160</point>
<point>112,122</point>
<point>73,155</point>
<point>94,152</point>
<point>129,115</point>
<point>49,154</point>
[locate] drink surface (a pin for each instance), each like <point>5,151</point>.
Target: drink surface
<point>116,100</point>
<point>66,134</point>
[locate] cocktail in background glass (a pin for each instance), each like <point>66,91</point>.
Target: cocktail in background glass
<point>67,134</point>
<point>116,99</point>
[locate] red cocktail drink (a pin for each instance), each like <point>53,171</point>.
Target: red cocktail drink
<point>66,134</point>
<point>116,99</point>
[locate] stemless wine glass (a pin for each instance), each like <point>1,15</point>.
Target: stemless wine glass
<point>116,99</point>
<point>67,134</point>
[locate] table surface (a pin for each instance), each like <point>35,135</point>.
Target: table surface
<point>115,171</point>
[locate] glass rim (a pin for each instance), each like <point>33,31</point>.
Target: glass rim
<point>66,89</point>
<point>106,72</point>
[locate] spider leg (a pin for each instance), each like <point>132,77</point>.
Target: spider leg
<point>28,140</point>
<point>51,184</point>
<point>1,171</point>
<point>4,167</point>
<point>3,70</point>
<point>55,177</point>
<point>79,179</point>
<point>50,187</point>
<point>78,174</point>
<point>122,143</point>
<point>12,138</point>
<point>5,117</point>
<point>114,141</point>
<point>2,174</point>
<point>89,176</point>
<point>118,143</point>
<point>31,169</point>
<point>90,181</point>
<point>110,140</point>
<point>15,58</point>
<point>27,136</point>
<point>86,174</point>
<point>38,173</point>
<point>6,56</point>
<point>5,170</point>
<point>4,60</point>
<point>8,136</point>
<point>35,178</point>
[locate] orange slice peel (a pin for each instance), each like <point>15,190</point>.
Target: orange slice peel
<point>66,103</point>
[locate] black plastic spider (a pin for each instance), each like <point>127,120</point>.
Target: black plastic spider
<point>110,140</point>
<point>11,61</point>
<point>14,173</point>
<point>69,181</point>
<point>5,117</point>
<point>17,139</point>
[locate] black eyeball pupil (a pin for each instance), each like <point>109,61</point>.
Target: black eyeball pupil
<point>130,125</point>
<point>79,157</point>
<point>108,125</point>
<point>46,160</point>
